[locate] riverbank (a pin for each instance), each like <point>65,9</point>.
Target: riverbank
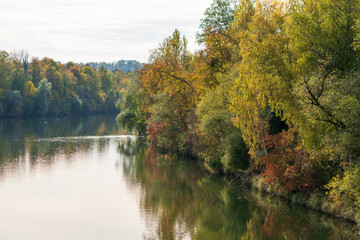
<point>318,201</point>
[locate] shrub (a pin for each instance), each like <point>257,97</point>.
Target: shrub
<point>345,191</point>
<point>288,164</point>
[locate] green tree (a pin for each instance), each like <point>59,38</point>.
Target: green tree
<point>105,79</point>
<point>6,69</point>
<point>225,148</point>
<point>41,97</point>
<point>132,115</point>
<point>14,103</point>
<point>76,105</point>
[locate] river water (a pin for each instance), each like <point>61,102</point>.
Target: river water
<point>85,179</point>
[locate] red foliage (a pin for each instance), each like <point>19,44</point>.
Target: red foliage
<point>286,164</point>
<point>151,157</point>
<point>154,130</point>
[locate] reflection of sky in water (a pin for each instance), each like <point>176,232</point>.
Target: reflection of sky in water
<point>76,139</point>
<point>68,186</point>
<point>76,196</point>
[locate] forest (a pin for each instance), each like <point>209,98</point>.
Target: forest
<point>30,87</point>
<point>126,66</point>
<point>274,94</point>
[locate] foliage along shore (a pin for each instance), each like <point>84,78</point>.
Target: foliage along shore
<point>43,88</point>
<point>275,92</point>
<point>318,201</point>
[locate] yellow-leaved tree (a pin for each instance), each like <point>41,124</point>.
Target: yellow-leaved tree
<point>258,86</point>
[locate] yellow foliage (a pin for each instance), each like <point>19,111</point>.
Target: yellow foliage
<point>29,89</point>
<point>258,86</point>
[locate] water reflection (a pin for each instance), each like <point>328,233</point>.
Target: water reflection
<point>179,201</point>
<point>82,175</point>
<point>42,139</point>
<point>27,145</point>
<point>60,181</point>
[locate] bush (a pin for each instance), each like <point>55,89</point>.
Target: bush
<point>236,152</point>
<point>345,191</point>
<point>288,164</point>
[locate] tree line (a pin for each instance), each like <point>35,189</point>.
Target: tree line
<point>30,87</point>
<point>275,92</point>
<point>124,65</point>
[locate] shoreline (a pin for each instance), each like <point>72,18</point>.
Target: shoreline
<point>317,201</point>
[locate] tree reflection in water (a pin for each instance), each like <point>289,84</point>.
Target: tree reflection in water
<point>40,140</point>
<point>179,200</point>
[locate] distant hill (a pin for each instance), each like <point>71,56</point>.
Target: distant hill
<point>125,65</point>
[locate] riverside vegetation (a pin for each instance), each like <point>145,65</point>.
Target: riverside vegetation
<point>60,164</point>
<point>274,94</point>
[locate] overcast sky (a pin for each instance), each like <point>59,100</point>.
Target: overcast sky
<point>96,30</point>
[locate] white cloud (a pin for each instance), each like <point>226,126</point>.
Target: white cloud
<point>94,30</point>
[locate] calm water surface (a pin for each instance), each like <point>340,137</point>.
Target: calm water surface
<point>86,179</point>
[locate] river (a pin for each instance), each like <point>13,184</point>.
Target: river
<point>85,179</point>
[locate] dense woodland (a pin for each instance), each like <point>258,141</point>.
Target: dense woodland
<point>275,92</point>
<point>30,87</point>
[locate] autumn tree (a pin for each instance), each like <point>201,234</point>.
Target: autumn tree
<point>221,44</point>
<point>171,95</point>
<point>76,89</point>
<point>263,43</point>
<point>105,79</point>
<point>35,70</point>
<point>23,57</point>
